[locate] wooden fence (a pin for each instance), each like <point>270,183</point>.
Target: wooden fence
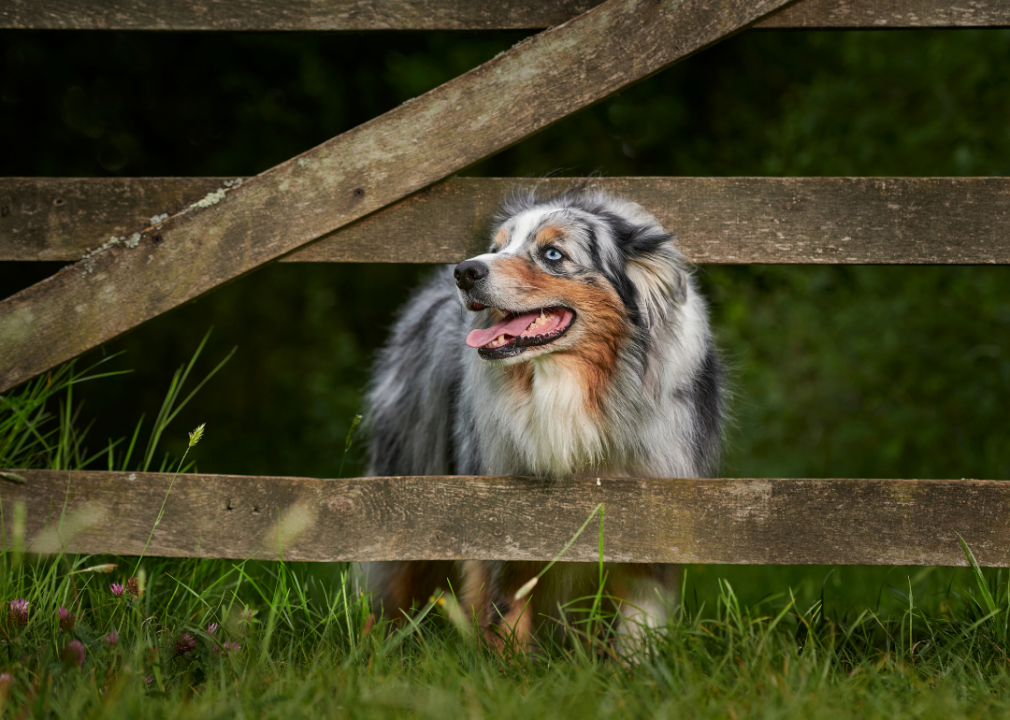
<point>380,193</point>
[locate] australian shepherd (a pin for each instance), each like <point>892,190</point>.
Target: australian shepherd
<point>582,348</point>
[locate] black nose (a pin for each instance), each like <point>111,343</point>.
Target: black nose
<point>468,273</point>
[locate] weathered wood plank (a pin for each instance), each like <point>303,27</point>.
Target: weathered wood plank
<point>64,218</point>
<point>452,15</point>
<point>234,231</point>
<point>888,14</point>
<point>866,522</point>
<point>717,220</point>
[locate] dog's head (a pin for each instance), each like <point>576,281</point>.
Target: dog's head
<point>576,274</point>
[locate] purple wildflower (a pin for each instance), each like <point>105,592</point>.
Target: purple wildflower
<point>212,629</point>
<point>226,648</point>
<point>117,590</point>
<point>149,679</point>
<point>112,638</point>
<point>66,619</point>
<point>17,614</point>
<point>6,680</point>
<point>185,645</point>
<point>133,587</point>
<point>73,654</point>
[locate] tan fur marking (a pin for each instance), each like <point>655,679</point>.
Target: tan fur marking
<point>601,322</point>
<point>516,627</point>
<point>520,378</point>
<point>524,274</point>
<point>475,585</point>
<point>414,582</point>
<point>504,621</point>
<point>501,238</point>
<point>509,620</point>
<point>549,234</point>
<point>594,357</point>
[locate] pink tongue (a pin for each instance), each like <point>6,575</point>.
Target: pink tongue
<point>509,326</point>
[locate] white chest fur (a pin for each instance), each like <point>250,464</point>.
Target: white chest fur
<point>545,427</point>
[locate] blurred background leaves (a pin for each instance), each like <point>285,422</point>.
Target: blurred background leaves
<point>836,371</point>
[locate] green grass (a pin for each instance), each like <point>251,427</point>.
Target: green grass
<point>299,640</point>
<point>307,649</point>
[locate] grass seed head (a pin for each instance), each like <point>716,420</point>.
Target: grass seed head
<point>103,568</point>
<point>194,437</point>
<point>527,588</point>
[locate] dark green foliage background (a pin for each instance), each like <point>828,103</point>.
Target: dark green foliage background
<point>837,371</point>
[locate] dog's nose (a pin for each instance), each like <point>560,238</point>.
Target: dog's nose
<point>468,272</point>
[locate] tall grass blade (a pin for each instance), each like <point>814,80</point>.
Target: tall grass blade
<point>525,589</point>
<point>347,444</point>
<point>983,587</point>
<point>170,407</point>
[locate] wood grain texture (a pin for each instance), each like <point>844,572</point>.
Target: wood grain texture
<point>866,522</point>
<point>717,220</point>
<point>64,218</point>
<point>364,15</point>
<point>888,14</point>
<point>236,230</point>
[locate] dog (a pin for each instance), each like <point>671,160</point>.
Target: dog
<point>582,347</point>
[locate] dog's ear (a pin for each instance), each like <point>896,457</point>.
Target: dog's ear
<point>652,263</point>
<point>659,276</point>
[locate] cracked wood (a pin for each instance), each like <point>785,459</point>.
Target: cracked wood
<point>736,521</point>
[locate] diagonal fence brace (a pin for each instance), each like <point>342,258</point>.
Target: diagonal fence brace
<point>235,230</point>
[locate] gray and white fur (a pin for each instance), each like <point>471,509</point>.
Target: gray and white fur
<point>628,384</point>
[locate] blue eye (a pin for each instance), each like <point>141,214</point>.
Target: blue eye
<point>553,254</point>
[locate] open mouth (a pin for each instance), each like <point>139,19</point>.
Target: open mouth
<point>515,332</point>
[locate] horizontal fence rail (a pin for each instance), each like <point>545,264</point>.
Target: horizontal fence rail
<point>745,521</point>
<point>453,15</point>
<point>717,220</point>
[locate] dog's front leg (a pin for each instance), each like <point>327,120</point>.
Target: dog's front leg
<point>400,587</point>
<point>506,622</point>
<point>646,594</point>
